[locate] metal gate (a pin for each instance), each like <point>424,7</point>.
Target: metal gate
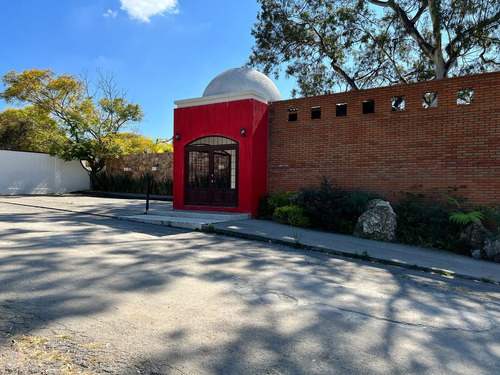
<point>211,177</point>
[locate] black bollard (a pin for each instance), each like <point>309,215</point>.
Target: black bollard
<point>148,183</point>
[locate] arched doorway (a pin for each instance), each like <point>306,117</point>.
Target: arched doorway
<point>211,177</point>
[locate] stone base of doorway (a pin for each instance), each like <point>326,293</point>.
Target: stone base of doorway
<point>194,220</point>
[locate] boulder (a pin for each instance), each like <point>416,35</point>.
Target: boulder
<point>475,236</point>
<point>379,221</point>
<point>491,249</point>
<point>476,254</point>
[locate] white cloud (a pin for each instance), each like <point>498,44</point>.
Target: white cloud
<point>144,9</point>
<point>110,13</point>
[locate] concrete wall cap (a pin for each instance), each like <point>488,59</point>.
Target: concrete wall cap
<point>222,98</point>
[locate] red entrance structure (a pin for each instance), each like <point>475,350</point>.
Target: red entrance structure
<point>221,144</point>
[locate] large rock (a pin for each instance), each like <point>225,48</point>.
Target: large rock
<point>476,254</point>
<point>491,249</point>
<point>475,236</point>
<point>378,221</point>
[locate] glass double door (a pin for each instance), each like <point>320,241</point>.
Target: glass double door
<point>211,178</point>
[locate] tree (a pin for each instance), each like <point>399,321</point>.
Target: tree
<point>161,145</point>
<point>29,130</point>
<point>132,143</point>
<point>90,116</point>
<point>354,44</point>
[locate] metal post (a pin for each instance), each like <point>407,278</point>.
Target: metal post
<point>148,183</point>
<point>149,179</point>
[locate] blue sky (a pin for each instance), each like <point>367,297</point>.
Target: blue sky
<point>159,50</point>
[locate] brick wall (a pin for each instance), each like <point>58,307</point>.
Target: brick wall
<point>141,164</point>
<point>416,149</point>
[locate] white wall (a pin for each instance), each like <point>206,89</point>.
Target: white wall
<point>34,173</point>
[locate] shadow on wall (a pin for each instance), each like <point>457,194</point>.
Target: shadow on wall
<point>37,173</point>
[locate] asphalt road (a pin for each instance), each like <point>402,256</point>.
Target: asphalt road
<point>123,297</point>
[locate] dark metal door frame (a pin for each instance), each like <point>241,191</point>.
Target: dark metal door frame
<point>211,195</point>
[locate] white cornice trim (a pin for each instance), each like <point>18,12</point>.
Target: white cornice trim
<point>204,100</point>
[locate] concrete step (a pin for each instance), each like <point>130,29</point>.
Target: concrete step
<point>185,223</point>
<point>208,215</point>
<point>185,219</point>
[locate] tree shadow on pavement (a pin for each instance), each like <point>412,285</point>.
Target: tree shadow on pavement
<point>187,302</point>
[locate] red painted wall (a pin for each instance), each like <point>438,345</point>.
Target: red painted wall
<point>226,120</point>
<point>417,150</point>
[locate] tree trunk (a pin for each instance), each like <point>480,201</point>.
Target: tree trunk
<point>441,66</point>
<point>344,75</point>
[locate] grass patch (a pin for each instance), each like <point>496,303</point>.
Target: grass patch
<point>40,353</point>
<point>36,349</point>
<point>445,273</point>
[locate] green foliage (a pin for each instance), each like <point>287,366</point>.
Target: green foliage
<point>426,223</point>
<point>329,45</point>
<point>28,130</point>
<point>491,218</point>
<point>292,215</point>
<point>119,183</point>
<point>280,199</point>
<point>264,209</point>
<point>89,116</point>
<point>488,216</point>
<point>132,143</point>
<point>332,208</point>
<point>270,202</point>
<point>422,221</point>
<point>327,207</point>
<point>465,218</point>
<point>323,205</point>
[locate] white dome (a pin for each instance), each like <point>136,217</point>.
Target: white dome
<point>239,80</point>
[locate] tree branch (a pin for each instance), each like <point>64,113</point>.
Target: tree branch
<point>386,4</point>
<point>344,75</point>
<point>420,11</point>
<point>474,29</point>
<point>350,81</point>
<point>409,26</point>
<point>385,52</point>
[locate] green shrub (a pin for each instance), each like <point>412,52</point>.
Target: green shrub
<point>280,199</point>
<point>466,218</point>
<point>292,215</point>
<point>332,208</point>
<point>265,210</point>
<point>488,216</point>
<point>323,205</point>
<point>491,218</point>
<point>269,203</point>
<point>425,223</point>
<point>422,221</point>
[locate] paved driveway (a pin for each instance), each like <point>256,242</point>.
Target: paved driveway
<point>93,293</point>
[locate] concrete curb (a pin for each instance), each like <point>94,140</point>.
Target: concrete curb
<point>345,254</point>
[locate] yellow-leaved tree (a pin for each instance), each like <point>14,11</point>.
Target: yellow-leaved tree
<point>89,116</point>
